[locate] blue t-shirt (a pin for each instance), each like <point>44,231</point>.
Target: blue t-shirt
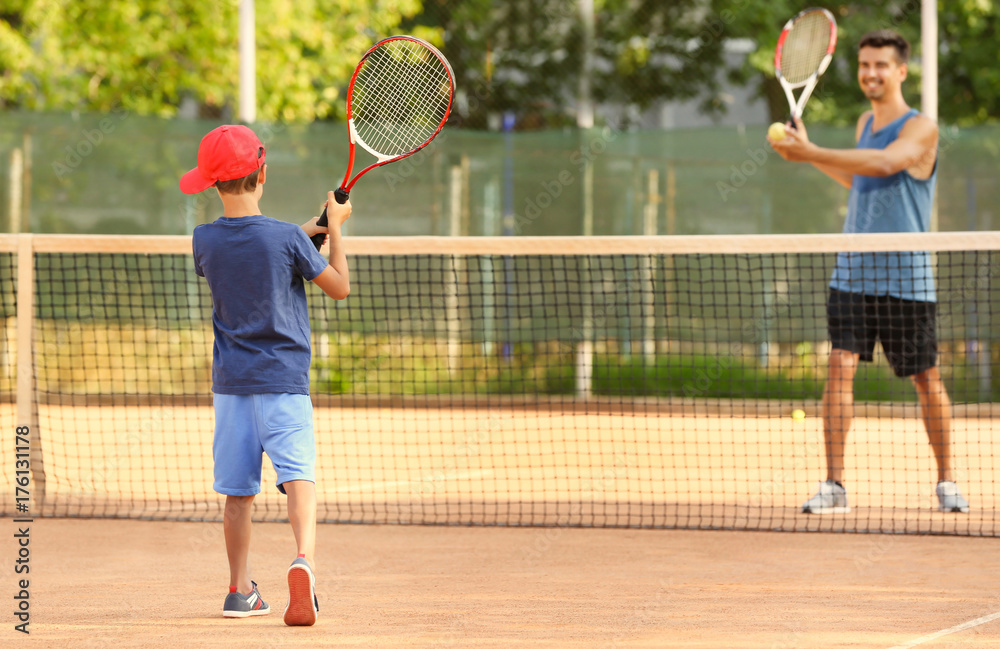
<point>896,203</point>
<point>255,267</point>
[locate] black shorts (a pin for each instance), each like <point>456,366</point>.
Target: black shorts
<point>906,329</point>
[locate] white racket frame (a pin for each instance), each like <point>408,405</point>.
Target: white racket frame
<point>809,84</point>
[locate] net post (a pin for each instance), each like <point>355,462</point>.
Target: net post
<point>647,268</point>
<point>27,405</point>
<point>491,220</point>
<point>453,270</point>
<point>16,183</point>
<point>585,350</point>
<point>247,62</point>
<point>585,347</point>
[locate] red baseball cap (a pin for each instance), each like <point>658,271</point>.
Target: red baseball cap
<point>226,153</point>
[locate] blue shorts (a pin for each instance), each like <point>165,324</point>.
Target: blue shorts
<point>247,425</point>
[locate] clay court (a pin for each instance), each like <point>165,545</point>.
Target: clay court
<point>113,583</point>
<point>505,464</point>
<point>480,519</point>
<point>135,583</point>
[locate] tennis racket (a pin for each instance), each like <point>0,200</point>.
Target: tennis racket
<point>805,49</point>
<point>398,101</point>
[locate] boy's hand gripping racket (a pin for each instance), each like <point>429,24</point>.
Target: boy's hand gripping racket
<point>398,101</point>
<point>805,49</point>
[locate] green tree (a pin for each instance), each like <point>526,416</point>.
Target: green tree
<point>969,79</point>
<point>526,55</point>
<point>969,82</point>
<point>147,56</point>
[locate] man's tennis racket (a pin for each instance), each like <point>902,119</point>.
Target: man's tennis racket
<point>805,49</point>
<point>398,101</point>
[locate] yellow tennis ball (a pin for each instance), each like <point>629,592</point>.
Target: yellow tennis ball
<point>776,131</point>
<point>798,415</point>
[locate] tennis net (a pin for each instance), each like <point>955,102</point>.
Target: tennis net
<point>621,381</point>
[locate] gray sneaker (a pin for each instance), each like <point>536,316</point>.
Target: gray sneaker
<point>238,605</point>
<point>830,499</point>
<point>303,607</point>
<point>950,498</point>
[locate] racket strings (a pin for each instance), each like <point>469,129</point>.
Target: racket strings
<point>400,98</point>
<point>397,115</point>
<point>409,120</point>
<point>805,47</point>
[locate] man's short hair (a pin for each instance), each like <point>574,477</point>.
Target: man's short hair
<point>244,185</point>
<point>887,38</point>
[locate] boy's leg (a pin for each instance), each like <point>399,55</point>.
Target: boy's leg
<point>236,525</point>
<point>302,607</point>
<point>302,515</point>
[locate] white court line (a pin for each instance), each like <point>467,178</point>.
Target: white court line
<point>379,486</point>
<point>955,629</point>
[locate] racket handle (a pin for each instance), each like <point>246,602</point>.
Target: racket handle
<point>318,239</point>
<point>341,195</point>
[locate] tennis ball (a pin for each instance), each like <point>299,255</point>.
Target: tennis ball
<point>798,415</point>
<point>776,131</point>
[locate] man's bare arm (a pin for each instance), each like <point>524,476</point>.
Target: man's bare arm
<point>915,149</point>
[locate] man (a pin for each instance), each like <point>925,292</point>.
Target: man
<point>888,297</point>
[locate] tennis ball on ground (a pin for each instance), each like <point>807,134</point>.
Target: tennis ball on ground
<point>798,414</point>
<point>776,131</point>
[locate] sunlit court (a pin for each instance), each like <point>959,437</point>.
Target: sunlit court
<point>499,324</point>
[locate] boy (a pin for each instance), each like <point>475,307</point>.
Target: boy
<point>255,268</point>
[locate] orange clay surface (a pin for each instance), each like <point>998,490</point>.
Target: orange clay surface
<point>522,466</point>
<point>137,584</point>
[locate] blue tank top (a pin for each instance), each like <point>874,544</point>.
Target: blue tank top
<point>896,203</point>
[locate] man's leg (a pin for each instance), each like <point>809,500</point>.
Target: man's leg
<point>236,525</point>
<point>838,409</point>
<point>935,407</point>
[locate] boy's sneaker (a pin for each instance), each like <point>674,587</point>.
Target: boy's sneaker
<point>830,499</point>
<point>950,498</point>
<point>245,605</point>
<point>303,607</point>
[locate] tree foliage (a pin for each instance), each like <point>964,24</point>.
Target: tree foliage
<point>526,56</point>
<point>969,82</point>
<point>147,56</point>
<point>153,56</point>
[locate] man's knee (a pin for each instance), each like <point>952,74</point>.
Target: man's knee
<point>928,380</point>
<point>843,362</point>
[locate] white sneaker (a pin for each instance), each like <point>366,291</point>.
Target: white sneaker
<point>830,499</point>
<point>950,498</point>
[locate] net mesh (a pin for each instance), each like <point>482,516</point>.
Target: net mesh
<point>400,97</point>
<point>805,46</point>
<point>569,387</point>
<point>8,363</point>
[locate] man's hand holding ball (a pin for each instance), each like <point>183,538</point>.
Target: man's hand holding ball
<point>791,143</point>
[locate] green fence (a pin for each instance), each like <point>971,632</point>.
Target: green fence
<point>117,174</point>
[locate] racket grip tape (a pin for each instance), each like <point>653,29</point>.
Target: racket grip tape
<point>341,195</point>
